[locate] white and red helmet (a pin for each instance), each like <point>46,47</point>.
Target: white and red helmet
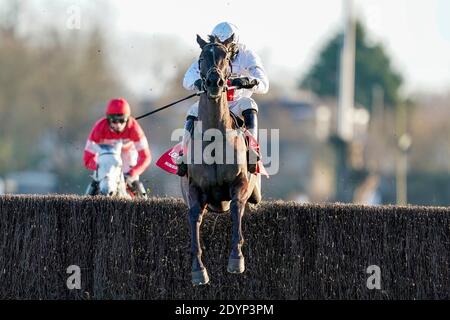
<point>225,30</point>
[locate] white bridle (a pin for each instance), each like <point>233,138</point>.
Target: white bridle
<point>109,172</point>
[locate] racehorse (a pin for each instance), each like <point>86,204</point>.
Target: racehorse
<point>109,173</point>
<point>218,186</point>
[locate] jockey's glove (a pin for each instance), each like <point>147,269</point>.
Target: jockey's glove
<point>199,84</point>
<point>244,83</point>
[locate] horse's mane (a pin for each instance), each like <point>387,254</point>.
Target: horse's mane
<point>213,39</point>
<point>106,147</point>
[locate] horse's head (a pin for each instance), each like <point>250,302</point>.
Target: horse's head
<point>109,171</point>
<point>214,64</point>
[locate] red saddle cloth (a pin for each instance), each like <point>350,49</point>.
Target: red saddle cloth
<point>167,160</point>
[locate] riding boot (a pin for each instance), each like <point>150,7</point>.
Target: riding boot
<point>251,124</point>
<point>189,131</point>
<point>138,189</point>
<point>92,188</point>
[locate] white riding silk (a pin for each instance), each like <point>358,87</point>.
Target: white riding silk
<point>246,64</point>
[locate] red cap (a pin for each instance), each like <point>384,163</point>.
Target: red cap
<point>118,106</point>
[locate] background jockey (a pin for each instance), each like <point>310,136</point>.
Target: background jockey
<point>246,67</point>
<point>119,125</point>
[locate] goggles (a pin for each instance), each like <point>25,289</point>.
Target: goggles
<point>117,119</point>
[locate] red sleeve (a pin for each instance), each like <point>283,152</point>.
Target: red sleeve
<point>141,144</point>
<point>90,160</point>
<point>90,156</point>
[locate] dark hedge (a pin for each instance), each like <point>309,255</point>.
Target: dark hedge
<point>140,250</point>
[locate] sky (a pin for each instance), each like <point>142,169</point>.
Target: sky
<point>288,34</point>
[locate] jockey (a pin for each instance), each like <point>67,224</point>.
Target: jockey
<point>119,125</point>
<point>246,67</point>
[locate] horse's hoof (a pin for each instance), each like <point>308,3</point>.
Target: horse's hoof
<point>200,277</point>
<point>236,265</point>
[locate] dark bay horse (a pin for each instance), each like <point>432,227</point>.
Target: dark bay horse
<point>217,186</point>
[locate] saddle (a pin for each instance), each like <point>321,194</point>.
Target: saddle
<point>167,161</point>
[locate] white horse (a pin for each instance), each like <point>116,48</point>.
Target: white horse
<point>109,173</point>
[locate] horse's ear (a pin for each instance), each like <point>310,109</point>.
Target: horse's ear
<point>202,43</point>
<point>230,40</point>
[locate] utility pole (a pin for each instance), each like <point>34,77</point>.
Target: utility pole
<point>404,144</point>
<point>345,112</point>
<point>347,75</point>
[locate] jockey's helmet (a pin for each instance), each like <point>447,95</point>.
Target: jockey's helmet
<point>118,107</point>
<point>225,30</point>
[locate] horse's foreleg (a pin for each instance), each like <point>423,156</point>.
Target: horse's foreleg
<point>239,198</point>
<point>195,221</point>
<point>196,211</point>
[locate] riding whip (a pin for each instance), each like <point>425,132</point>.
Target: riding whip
<point>174,103</point>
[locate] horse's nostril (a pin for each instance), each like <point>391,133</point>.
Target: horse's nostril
<point>220,82</point>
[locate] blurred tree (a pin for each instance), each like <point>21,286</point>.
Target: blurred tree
<point>52,92</point>
<point>373,70</point>
<point>10,16</point>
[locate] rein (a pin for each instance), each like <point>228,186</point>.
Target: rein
<point>213,68</point>
<point>105,153</point>
<point>169,105</point>
<point>178,101</point>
